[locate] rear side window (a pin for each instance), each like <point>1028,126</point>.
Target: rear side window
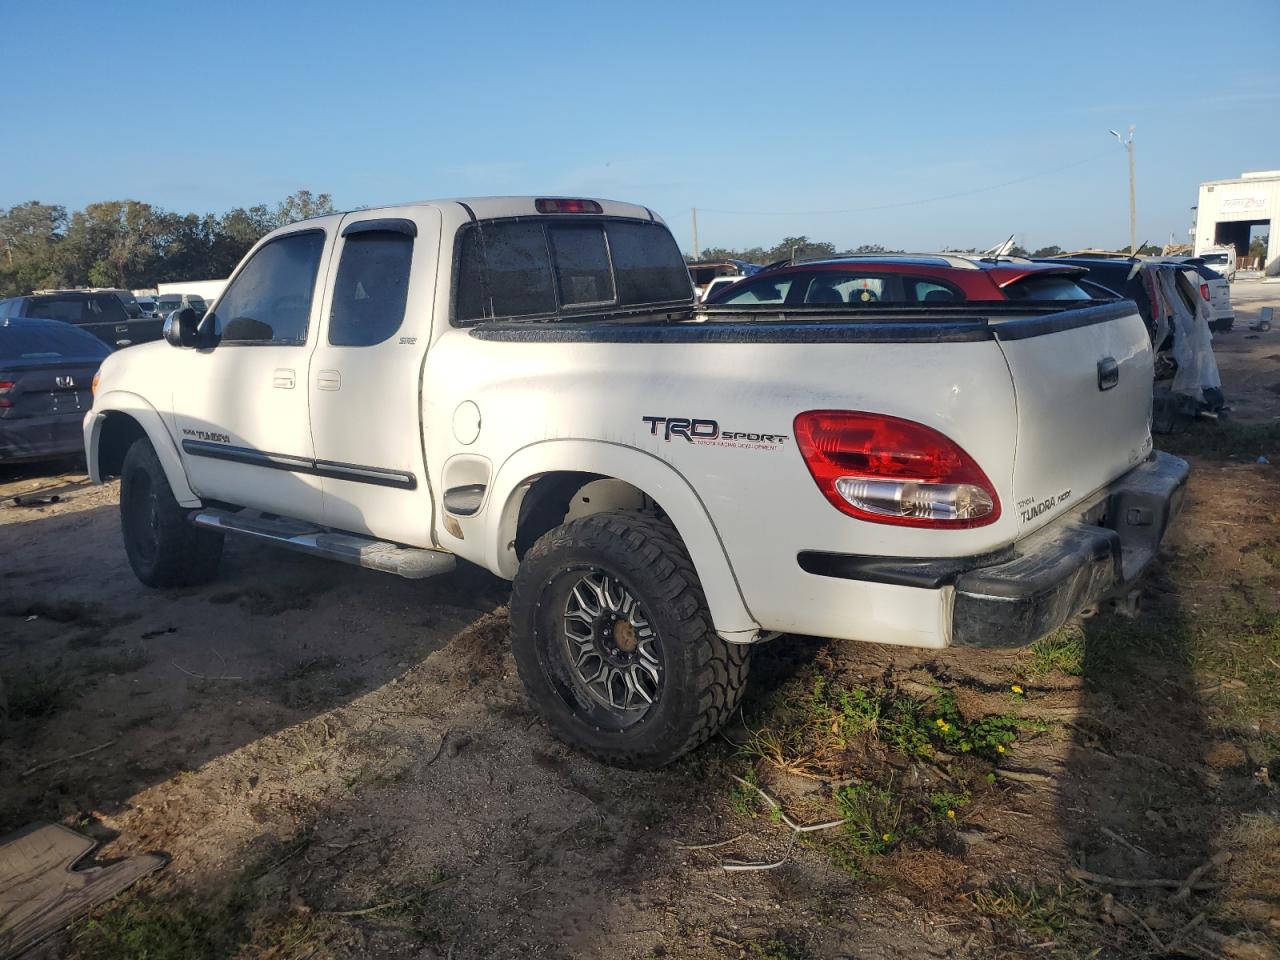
<point>105,308</point>
<point>1051,287</point>
<point>48,342</point>
<point>529,268</point>
<point>929,291</point>
<point>372,288</point>
<point>763,290</point>
<point>269,301</point>
<point>66,309</point>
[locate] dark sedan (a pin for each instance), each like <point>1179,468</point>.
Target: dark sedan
<point>46,386</point>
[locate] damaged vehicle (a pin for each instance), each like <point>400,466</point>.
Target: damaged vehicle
<point>527,384</point>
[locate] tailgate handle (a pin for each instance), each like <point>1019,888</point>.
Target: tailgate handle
<point>1108,373</point>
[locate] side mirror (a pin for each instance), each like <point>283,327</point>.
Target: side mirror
<point>180,328</point>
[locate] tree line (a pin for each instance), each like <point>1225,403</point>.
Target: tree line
<point>802,248</point>
<point>131,244</point>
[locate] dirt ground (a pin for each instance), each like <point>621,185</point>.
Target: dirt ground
<point>343,764</point>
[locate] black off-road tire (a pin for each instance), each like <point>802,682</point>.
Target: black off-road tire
<point>703,677</point>
<point>164,548</point>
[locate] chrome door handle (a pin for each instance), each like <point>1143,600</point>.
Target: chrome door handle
<point>329,380</point>
<point>282,379</point>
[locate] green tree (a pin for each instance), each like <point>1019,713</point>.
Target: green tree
<point>303,205</point>
<point>1052,251</point>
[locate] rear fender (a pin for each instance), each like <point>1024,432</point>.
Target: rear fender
<point>658,480</point>
<point>123,403</point>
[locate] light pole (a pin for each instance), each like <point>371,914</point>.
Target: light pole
<point>1133,205</point>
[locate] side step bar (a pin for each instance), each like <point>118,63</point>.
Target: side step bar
<point>409,562</point>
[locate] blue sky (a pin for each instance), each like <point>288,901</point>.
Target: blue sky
<point>765,116</point>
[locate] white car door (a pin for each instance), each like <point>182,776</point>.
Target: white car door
<point>240,406</point>
<point>365,379</point>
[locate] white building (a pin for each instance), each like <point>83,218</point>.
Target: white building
<point>1228,208</point>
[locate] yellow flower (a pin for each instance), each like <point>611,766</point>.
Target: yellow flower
<point>1015,688</point>
<point>887,837</point>
<point>999,748</point>
<point>940,722</point>
<point>951,814</point>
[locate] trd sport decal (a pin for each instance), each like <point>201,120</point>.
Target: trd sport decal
<point>692,430</point>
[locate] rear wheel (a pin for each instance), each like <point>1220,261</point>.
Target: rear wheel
<point>164,549</point>
<point>614,643</point>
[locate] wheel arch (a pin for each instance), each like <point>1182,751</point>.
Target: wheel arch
<point>119,418</point>
<point>534,491</point>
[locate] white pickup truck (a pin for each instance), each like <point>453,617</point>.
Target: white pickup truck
<point>526,384</point>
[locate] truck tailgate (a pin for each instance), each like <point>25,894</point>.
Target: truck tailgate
<point>1083,385</point>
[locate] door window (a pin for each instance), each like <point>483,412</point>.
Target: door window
<point>269,301</point>
<point>372,288</point>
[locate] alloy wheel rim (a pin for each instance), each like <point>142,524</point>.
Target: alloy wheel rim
<point>612,651</point>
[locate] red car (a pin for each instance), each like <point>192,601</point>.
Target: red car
<point>904,280</point>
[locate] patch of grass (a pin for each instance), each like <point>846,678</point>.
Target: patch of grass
<point>875,817</point>
<point>1061,651</point>
<point>944,806</point>
<point>1039,914</point>
<point>986,736</point>
<point>780,946</point>
<point>742,798</point>
<point>1223,439</point>
<point>249,916</point>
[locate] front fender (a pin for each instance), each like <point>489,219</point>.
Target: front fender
<point>661,482</point>
<point>122,402</point>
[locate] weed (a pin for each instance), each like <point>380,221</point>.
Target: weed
<point>874,817</point>
<point>742,798</point>
<point>777,947</point>
<point>1037,914</point>
<point>1062,651</point>
<point>987,736</point>
<point>944,805</point>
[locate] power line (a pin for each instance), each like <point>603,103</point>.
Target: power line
<point>906,203</point>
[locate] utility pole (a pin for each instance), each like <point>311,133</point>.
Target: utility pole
<point>1133,203</point>
<point>695,233</point>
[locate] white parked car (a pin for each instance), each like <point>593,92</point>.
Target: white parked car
<point>527,384</point>
<point>1221,260</point>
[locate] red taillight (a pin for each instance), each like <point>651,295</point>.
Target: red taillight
<point>5,387</point>
<point>889,470</point>
<point>553,205</point>
<point>1204,290</point>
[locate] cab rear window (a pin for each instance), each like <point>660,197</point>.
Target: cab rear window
<point>536,268</point>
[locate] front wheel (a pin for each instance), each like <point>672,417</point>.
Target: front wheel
<point>163,547</point>
<point>613,641</point>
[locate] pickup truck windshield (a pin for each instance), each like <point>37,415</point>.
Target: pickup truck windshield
<point>539,268</point>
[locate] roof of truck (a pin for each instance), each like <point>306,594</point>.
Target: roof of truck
<point>488,208</point>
